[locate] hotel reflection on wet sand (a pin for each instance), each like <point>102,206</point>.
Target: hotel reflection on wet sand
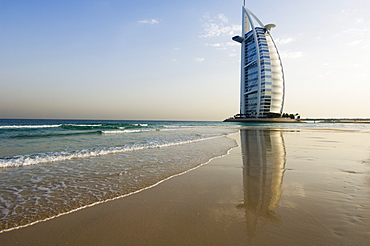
<point>311,190</point>
<point>263,154</point>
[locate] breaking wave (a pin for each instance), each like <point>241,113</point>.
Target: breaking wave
<point>33,159</point>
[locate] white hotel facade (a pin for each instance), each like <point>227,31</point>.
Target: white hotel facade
<point>262,76</point>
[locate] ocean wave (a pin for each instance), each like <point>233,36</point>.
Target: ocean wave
<point>103,127</point>
<point>29,126</point>
<point>138,130</point>
<point>55,134</point>
<point>78,126</point>
<point>33,159</point>
<point>128,131</point>
<point>140,124</point>
<point>82,125</point>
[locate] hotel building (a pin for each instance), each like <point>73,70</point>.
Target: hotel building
<point>262,77</point>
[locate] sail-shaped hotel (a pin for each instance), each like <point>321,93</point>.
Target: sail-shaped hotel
<point>262,77</point>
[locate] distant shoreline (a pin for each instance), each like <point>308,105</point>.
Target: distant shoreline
<point>264,120</point>
<point>338,120</point>
<point>307,120</point>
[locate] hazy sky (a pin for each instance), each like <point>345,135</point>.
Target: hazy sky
<point>174,60</point>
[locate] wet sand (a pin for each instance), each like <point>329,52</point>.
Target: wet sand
<point>306,187</point>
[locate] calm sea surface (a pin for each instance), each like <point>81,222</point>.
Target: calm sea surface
<point>53,167</point>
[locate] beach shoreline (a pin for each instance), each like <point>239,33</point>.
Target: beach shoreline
<point>275,197</point>
<point>66,228</point>
<point>115,198</point>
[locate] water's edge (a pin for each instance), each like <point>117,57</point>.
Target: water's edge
<point>128,194</point>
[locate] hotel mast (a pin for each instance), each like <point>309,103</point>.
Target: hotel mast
<point>262,77</point>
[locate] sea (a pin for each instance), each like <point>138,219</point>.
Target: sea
<point>49,168</point>
<point>52,167</point>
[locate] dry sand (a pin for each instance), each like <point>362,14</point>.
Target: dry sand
<point>267,191</point>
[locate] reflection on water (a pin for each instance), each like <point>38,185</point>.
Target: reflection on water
<point>263,153</point>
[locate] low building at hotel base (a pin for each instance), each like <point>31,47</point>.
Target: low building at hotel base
<point>262,76</point>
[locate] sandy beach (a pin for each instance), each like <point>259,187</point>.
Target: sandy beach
<point>278,187</point>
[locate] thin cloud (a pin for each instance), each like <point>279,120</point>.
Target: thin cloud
<point>360,20</point>
<point>199,59</point>
<point>215,45</point>
<point>218,26</point>
<point>216,30</point>
<point>355,43</point>
<point>351,31</point>
<point>284,40</point>
<point>223,45</point>
<point>292,55</point>
<point>223,18</point>
<point>149,21</point>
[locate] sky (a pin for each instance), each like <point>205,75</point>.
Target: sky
<point>175,60</point>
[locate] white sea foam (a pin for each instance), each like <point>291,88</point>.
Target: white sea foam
<point>84,125</point>
<point>140,124</point>
<point>127,131</point>
<point>136,130</point>
<point>29,126</point>
<point>26,160</point>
